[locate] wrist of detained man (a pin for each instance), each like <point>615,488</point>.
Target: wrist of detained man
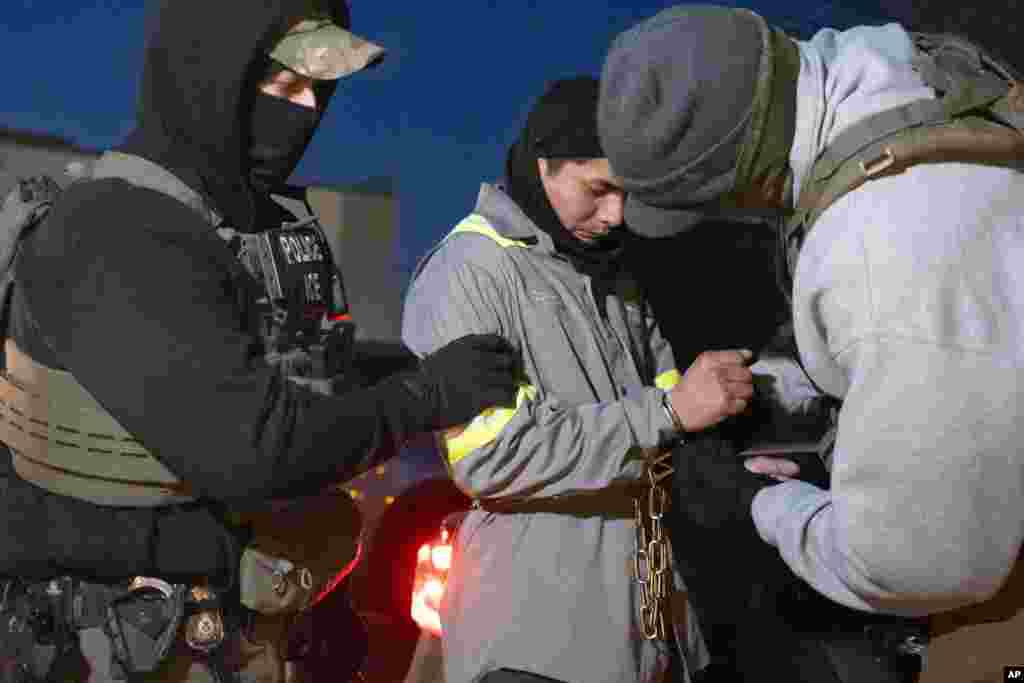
<point>673,432</point>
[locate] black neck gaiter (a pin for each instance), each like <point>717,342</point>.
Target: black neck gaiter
<point>279,132</point>
<point>563,124</point>
<point>598,261</point>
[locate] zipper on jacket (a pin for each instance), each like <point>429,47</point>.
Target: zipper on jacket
<point>609,333</point>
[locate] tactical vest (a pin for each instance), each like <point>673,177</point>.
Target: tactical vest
<point>977,117</point>
<point>63,440</point>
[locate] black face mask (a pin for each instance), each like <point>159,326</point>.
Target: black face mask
<point>280,131</point>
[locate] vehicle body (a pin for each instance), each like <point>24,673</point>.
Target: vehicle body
<point>404,502</point>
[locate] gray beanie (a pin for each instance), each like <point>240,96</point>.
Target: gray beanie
<point>677,94</point>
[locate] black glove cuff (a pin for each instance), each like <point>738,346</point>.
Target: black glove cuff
<point>414,394</point>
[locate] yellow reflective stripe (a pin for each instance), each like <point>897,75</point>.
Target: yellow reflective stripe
<point>478,224</point>
<point>484,428</point>
<point>668,379</point>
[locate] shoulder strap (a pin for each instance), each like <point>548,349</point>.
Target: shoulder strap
<point>21,210</point>
<point>964,79</point>
<point>977,117</point>
<point>24,207</point>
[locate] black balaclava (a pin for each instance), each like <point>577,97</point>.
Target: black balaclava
<point>200,113</point>
<point>563,125</point>
<point>280,132</point>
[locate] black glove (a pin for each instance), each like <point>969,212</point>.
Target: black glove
<point>734,577</point>
<point>467,376</point>
<point>716,490</point>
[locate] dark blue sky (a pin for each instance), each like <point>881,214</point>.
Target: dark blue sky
<point>437,116</point>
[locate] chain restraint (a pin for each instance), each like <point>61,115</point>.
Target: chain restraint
<point>652,568</point>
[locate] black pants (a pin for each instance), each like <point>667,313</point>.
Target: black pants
<point>761,621</point>
<point>805,640</point>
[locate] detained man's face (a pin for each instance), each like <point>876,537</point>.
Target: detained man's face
<point>585,196</point>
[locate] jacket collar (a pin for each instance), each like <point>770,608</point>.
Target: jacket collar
<point>508,219</point>
<point>144,173</point>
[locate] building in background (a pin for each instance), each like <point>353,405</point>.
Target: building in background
<point>361,222</point>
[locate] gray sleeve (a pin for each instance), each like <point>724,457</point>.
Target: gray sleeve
<point>925,471</point>
<point>666,375</point>
<point>542,446</point>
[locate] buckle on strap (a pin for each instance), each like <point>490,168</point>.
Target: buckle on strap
<point>205,630</point>
<point>151,583</point>
<point>873,167</point>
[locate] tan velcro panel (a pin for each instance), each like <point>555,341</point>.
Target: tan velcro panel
<point>64,441</point>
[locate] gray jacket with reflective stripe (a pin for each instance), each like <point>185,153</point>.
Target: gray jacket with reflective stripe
<point>547,592</point>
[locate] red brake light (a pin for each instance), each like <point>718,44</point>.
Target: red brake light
<point>441,557</point>
<point>432,565</point>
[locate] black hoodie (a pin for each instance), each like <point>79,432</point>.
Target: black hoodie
<point>136,295</point>
<point>203,62</point>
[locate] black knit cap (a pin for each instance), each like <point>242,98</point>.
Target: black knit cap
<point>563,123</point>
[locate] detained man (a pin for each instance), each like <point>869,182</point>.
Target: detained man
<point>542,586</point>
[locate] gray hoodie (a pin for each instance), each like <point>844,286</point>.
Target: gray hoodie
<point>908,305</point>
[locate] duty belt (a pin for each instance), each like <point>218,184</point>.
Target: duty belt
<point>39,624</point>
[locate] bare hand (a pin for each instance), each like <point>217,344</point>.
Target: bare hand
<point>776,468</point>
<point>718,385</point>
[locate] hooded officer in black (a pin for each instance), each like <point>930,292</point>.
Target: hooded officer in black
<point>127,298</point>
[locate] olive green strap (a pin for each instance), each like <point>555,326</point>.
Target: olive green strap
<point>1010,108</point>
<point>971,96</point>
<point>64,441</point>
<point>971,139</point>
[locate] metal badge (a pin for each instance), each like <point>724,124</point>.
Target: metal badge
<point>204,630</point>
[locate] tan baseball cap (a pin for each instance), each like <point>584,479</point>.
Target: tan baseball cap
<point>319,48</point>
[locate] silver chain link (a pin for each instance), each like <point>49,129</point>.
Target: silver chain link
<point>651,559</point>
